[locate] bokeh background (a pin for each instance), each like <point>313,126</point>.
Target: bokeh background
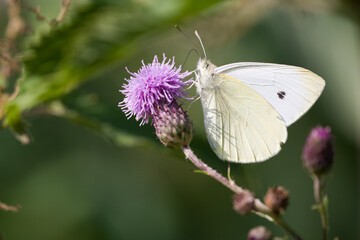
<point>89,173</point>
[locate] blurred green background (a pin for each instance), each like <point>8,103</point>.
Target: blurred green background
<point>89,173</point>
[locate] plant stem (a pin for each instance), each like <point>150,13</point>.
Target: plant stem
<point>321,207</point>
<point>280,221</point>
<point>64,7</point>
<point>210,171</point>
<point>259,207</point>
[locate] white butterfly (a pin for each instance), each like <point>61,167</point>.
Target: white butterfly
<point>247,106</point>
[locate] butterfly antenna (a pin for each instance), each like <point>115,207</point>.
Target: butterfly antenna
<point>202,45</point>
<point>193,49</point>
<point>178,28</point>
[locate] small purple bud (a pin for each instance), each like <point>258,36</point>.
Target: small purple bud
<point>318,153</point>
<point>243,202</point>
<point>259,233</point>
<point>277,199</point>
<point>172,125</point>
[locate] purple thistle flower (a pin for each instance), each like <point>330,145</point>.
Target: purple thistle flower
<point>152,93</point>
<point>155,84</point>
<point>318,153</point>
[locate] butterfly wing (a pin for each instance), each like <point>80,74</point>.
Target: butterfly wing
<point>240,124</point>
<point>290,90</point>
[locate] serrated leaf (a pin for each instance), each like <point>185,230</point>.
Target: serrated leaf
<point>97,36</point>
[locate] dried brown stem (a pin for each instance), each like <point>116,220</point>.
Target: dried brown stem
<point>64,8</point>
<point>16,23</point>
<point>9,64</point>
<point>36,11</point>
<point>6,207</point>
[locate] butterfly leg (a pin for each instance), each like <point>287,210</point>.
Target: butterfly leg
<point>192,84</point>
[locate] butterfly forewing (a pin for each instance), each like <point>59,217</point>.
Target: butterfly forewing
<point>240,124</point>
<point>290,90</point>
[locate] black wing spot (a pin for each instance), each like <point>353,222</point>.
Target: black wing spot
<point>281,94</point>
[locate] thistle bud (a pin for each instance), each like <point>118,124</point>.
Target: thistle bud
<point>172,125</point>
<point>243,202</point>
<point>277,199</point>
<point>318,151</point>
<point>259,233</point>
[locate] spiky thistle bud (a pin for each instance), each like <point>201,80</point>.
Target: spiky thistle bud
<point>318,153</point>
<point>277,199</point>
<point>151,93</point>
<point>259,233</point>
<point>243,202</point>
<point>172,125</point>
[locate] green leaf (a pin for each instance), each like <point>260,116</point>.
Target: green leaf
<point>98,35</point>
<point>16,124</point>
<point>325,202</point>
<point>229,173</point>
<point>201,172</point>
<point>315,207</point>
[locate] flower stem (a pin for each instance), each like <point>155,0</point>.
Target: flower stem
<point>280,221</point>
<point>259,207</point>
<point>321,207</point>
<point>210,171</point>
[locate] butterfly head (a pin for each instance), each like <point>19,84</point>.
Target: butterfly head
<point>205,70</point>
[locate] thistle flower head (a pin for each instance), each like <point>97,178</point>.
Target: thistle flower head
<point>151,93</point>
<point>318,151</point>
<point>277,199</point>
<point>155,84</point>
<point>243,202</point>
<point>172,125</point>
<point>259,233</point>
